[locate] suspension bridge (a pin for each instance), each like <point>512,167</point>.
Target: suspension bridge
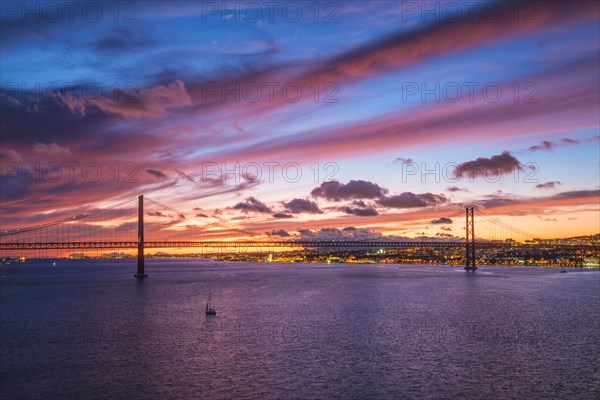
<point>141,223</point>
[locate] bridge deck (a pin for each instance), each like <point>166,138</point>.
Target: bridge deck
<point>272,244</point>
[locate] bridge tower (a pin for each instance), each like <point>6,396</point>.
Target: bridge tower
<point>140,256</point>
<point>470,239</point>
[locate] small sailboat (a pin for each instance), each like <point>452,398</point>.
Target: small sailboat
<point>209,310</point>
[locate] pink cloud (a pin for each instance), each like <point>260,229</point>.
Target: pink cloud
<point>51,149</point>
<point>149,102</point>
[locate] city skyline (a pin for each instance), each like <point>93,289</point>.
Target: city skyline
<point>267,123</point>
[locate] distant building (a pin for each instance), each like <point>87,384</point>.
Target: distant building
<point>591,262</point>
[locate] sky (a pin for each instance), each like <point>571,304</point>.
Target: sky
<point>304,119</point>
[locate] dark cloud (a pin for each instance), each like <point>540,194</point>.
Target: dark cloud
<point>361,232</point>
<point>252,205</point>
<point>282,215</point>
<point>360,212</point>
<point>569,141</point>
<point>454,189</point>
<point>543,146</point>
<point>278,232</point>
<point>489,167</point>
<point>442,220</point>
<point>157,174</point>
<point>412,200</point>
<point>547,145</point>
<point>125,40</point>
<point>577,194</point>
<point>444,235</point>
<point>349,232</point>
<point>298,206</point>
<point>200,215</point>
<point>446,228</point>
<point>496,202</point>
<point>336,191</point>
<point>52,121</point>
<point>548,185</point>
<point>403,160</point>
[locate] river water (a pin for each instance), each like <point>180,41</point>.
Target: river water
<point>88,329</point>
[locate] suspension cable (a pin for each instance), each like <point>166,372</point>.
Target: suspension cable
<point>62,221</point>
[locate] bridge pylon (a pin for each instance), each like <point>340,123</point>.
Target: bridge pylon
<point>140,256</point>
<point>470,239</point>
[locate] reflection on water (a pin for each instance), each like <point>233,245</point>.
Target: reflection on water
<point>89,330</point>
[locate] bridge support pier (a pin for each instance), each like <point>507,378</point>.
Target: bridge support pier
<point>470,240</point>
<point>140,256</point>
